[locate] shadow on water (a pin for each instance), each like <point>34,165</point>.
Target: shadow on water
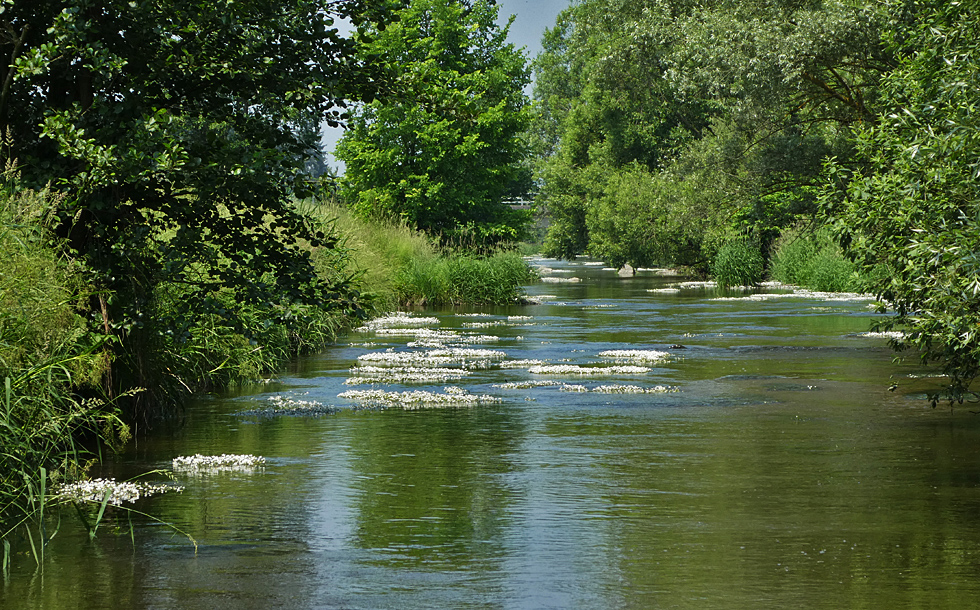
<point>765,464</point>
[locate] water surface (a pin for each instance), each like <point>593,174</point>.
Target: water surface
<point>782,472</point>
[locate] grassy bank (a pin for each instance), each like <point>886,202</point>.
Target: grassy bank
<point>811,259</point>
<point>70,376</point>
<point>402,267</point>
<point>52,365</point>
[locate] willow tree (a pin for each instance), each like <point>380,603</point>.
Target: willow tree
<point>908,208</point>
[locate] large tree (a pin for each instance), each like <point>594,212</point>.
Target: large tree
<point>177,132</point>
<point>729,108</point>
<point>440,149</point>
<point>908,208</point>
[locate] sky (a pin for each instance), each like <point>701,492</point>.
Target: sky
<point>531,19</point>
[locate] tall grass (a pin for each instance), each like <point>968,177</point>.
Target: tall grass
<point>399,266</point>
<point>738,263</point>
<point>51,367</point>
<point>813,260</point>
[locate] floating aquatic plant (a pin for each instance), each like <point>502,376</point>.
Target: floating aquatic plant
<point>485,324</point>
<point>95,490</point>
<point>453,397</point>
<point>519,318</point>
<point>520,364</point>
<point>561,280</point>
<point>633,389</point>
<point>635,355</point>
<point>467,357</point>
<point>207,464</point>
<point>891,334</point>
<point>398,319</point>
<point>403,374</point>
<point>569,387</point>
<point>282,405</point>
<point>574,369</point>
<point>527,384</point>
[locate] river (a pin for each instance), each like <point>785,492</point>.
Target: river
<point>751,450</point>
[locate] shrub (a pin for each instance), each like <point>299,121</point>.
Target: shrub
<point>738,263</point>
<point>813,260</point>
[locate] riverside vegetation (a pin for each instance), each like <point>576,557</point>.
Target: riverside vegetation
<point>165,231</point>
<point>159,239</point>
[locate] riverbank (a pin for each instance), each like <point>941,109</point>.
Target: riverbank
<point>75,381</point>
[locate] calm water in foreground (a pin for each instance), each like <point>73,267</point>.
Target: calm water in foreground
<point>782,473</point>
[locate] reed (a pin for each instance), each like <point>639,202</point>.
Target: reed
<point>51,366</point>
<point>813,260</point>
<point>400,266</point>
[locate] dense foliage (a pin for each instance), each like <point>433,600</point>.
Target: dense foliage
<point>441,150</point>
<point>831,143</point>
<point>178,133</point>
<point>675,127</point>
<point>910,204</point>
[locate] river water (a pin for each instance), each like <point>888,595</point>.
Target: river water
<point>767,464</point>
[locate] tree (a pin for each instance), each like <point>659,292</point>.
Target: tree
<point>730,107</point>
<point>178,132</point>
<point>908,208</point>
<point>442,148</point>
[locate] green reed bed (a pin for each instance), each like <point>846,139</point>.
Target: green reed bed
<point>813,260</point>
<point>399,266</point>
<point>51,366</point>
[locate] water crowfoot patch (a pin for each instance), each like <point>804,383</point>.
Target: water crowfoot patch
<point>634,355</point>
<point>527,385</point>
<point>467,357</point>
<point>633,389</point>
<point>453,397</point>
<point>282,405</point>
<point>119,491</point>
<point>403,374</point>
<point>520,364</point>
<point>210,464</point>
<point>398,319</point>
<point>574,369</point>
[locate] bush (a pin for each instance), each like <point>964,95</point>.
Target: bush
<point>813,260</point>
<point>738,263</point>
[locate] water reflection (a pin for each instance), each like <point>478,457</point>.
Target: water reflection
<point>784,473</point>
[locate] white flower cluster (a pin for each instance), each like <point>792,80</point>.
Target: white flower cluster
<point>208,464</point>
<point>471,358</point>
<point>526,385</point>
<point>573,387</point>
<point>403,374</point>
<point>561,280</point>
<point>453,397</point>
<point>520,364</point>
<point>95,490</point>
<point>485,324</point>
<point>398,319</point>
<point>574,369</point>
<point>635,355</point>
<point>428,333</point>
<point>633,389</point>
<point>891,334</point>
